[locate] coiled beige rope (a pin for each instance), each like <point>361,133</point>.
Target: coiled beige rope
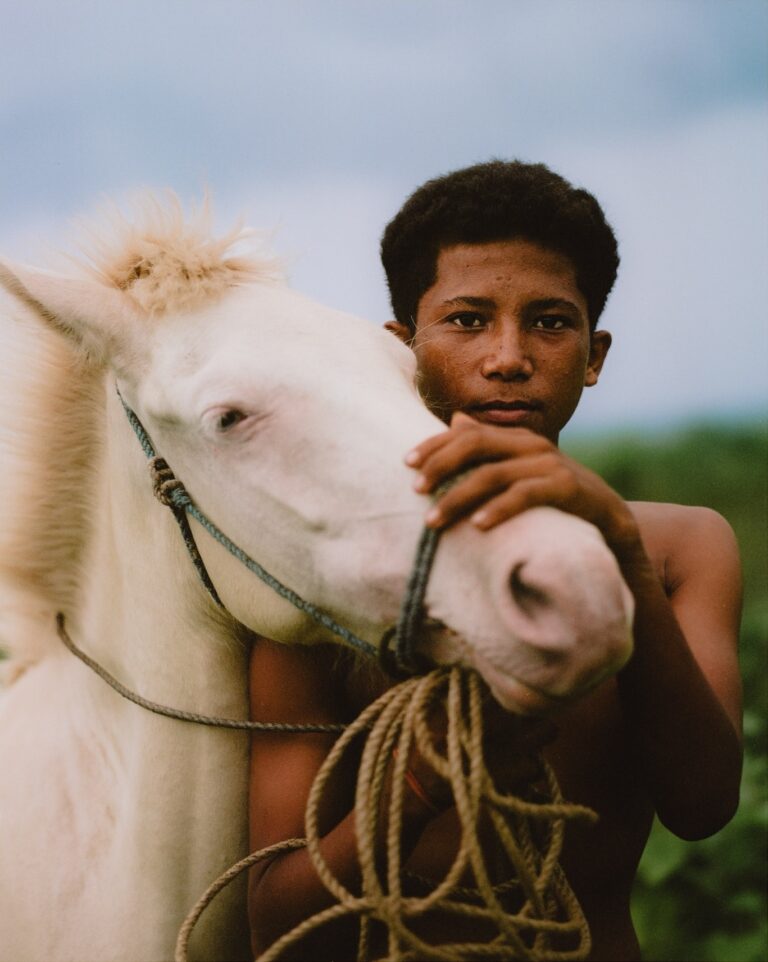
<point>545,922</point>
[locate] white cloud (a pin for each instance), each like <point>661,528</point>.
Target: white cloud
<point>690,206</point>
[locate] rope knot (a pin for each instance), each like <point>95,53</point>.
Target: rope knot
<point>165,485</point>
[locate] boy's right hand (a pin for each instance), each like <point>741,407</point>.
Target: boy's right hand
<point>514,469</point>
<point>511,747</point>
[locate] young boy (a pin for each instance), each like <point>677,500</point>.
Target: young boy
<point>498,274</point>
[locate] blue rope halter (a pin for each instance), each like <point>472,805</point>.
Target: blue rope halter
<point>397,650</point>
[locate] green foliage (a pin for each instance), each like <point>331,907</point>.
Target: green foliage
<point>706,901</point>
<point>721,467</point>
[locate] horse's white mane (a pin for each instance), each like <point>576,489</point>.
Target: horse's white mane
<point>50,422</point>
<point>167,262</point>
<point>51,400</point>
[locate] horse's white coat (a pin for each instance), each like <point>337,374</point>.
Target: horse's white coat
<point>112,820</point>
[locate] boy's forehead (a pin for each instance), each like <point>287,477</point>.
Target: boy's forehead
<point>517,265</point>
<point>516,252</point>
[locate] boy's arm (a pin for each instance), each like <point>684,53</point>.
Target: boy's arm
<point>680,691</point>
<point>282,768</point>
<point>300,685</point>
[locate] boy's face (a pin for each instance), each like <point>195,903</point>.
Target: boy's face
<point>503,335</point>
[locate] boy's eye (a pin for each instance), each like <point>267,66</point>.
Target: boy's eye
<point>550,322</point>
<point>467,321</point>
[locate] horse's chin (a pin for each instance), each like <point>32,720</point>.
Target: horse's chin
<point>513,694</point>
<point>443,646</point>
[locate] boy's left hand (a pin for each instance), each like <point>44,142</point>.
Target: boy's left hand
<point>517,470</point>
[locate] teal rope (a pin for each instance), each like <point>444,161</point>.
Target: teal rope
<point>316,613</point>
<point>187,716</point>
<point>180,501</point>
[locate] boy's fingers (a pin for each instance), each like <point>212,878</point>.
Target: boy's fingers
<point>482,485</point>
<point>479,437</point>
<point>461,421</point>
<point>467,495</point>
<point>527,493</point>
<point>461,450</point>
<point>416,456</point>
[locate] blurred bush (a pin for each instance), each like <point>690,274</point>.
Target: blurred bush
<point>706,901</point>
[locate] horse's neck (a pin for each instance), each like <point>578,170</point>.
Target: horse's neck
<point>140,810</point>
<point>182,788</point>
<point>142,611</point>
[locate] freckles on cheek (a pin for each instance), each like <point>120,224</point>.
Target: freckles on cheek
<point>436,375</point>
<point>445,386</point>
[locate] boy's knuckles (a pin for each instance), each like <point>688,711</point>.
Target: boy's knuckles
<point>529,441</point>
<point>492,475</point>
<point>455,502</point>
<point>566,481</point>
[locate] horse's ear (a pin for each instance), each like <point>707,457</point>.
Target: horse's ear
<point>97,318</point>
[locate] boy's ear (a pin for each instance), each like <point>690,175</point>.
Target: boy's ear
<point>599,345</point>
<point>402,331</point>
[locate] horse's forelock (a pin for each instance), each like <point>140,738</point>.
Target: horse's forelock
<point>168,262</point>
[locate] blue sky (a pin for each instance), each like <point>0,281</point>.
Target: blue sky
<point>315,118</point>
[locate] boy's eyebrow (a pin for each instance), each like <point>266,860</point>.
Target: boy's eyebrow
<point>470,301</point>
<point>546,303</point>
<point>538,304</point>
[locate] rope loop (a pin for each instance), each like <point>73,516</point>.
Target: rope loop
<point>508,889</point>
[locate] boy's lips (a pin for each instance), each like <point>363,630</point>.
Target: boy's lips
<point>503,412</point>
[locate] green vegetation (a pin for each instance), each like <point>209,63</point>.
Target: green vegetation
<point>706,900</point>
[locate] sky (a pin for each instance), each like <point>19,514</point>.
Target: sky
<point>314,119</point>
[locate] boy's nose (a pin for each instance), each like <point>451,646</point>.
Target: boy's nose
<point>508,358</point>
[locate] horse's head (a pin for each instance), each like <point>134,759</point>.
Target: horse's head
<point>288,422</point>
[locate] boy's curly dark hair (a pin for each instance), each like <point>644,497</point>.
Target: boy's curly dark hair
<point>497,200</point>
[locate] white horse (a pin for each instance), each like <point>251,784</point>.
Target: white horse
<point>288,423</point>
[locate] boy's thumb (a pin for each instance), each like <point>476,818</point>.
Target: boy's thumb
<point>461,420</point>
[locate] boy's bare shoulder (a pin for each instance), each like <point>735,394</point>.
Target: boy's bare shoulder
<point>682,517</point>
<point>681,538</point>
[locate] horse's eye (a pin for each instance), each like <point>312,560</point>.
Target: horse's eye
<point>228,419</point>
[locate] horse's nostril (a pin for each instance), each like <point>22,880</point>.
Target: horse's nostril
<point>527,596</point>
